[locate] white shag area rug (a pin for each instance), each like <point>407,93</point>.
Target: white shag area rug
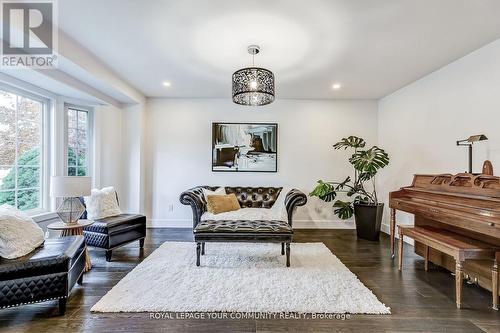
<point>241,277</point>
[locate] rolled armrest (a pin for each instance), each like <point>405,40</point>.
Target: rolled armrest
<point>293,199</point>
<point>194,198</point>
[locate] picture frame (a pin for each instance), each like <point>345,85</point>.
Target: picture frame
<point>244,147</point>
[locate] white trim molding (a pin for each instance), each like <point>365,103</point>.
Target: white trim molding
<point>297,224</point>
<point>324,224</point>
<point>44,217</point>
<point>386,229</point>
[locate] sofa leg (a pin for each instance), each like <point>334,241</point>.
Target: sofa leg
<point>141,243</point>
<point>198,252</point>
<point>203,248</point>
<point>282,248</point>
<point>287,254</point>
<point>80,280</point>
<point>109,253</point>
<point>62,306</point>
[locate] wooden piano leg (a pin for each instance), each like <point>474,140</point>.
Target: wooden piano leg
<point>400,250</point>
<point>458,283</point>
<point>393,230</point>
<point>426,263</point>
<point>494,289</point>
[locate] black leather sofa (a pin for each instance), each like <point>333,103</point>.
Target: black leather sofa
<point>112,232</point>
<point>243,230</point>
<point>48,272</point>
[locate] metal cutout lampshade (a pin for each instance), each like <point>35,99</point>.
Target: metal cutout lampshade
<point>253,86</point>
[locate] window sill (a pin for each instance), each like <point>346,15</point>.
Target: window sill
<point>38,218</point>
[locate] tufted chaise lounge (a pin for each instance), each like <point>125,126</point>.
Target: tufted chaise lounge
<point>277,231</point>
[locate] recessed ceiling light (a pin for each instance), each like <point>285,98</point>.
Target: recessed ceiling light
<point>166,84</point>
<point>336,86</point>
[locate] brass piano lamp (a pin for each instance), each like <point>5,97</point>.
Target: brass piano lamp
<point>469,142</point>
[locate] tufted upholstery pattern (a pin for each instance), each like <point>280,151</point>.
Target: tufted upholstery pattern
<point>29,290</point>
<point>254,197</point>
<point>48,272</point>
<point>243,230</point>
<point>243,227</point>
<point>96,239</point>
<point>115,231</point>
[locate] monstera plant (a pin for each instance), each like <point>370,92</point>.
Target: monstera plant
<point>361,192</point>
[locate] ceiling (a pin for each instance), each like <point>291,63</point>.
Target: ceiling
<point>371,47</point>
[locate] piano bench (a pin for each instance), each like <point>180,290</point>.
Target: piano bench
<point>459,247</point>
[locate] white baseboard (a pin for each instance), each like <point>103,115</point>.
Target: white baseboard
<point>386,228</point>
<point>166,223</point>
<point>323,224</point>
<point>297,224</point>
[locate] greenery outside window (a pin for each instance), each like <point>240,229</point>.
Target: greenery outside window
<point>22,119</point>
<point>77,129</point>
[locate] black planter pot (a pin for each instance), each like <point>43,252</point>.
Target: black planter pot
<point>368,220</point>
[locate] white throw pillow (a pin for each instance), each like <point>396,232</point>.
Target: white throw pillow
<point>219,191</point>
<point>19,234</point>
<point>102,203</point>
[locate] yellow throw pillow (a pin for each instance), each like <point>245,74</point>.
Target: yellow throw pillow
<point>217,204</point>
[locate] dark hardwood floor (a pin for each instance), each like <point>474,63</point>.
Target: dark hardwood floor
<point>420,301</point>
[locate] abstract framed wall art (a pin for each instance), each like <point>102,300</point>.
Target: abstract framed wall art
<point>245,147</point>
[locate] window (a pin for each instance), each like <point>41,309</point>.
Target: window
<point>22,118</point>
<point>78,141</point>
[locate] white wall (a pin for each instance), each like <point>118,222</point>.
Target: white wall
<point>420,123</point>
<point>120,153</point>
<point>179,149</point>
<point>108,149</point>
<point>133,159</point>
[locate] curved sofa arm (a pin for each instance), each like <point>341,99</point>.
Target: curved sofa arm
<point>293,199</point>
<point>194,198</point>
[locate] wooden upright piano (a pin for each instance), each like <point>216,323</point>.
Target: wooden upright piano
<point>466,204</point>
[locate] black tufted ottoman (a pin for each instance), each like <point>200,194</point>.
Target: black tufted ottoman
<point>243,231</point>
<point>112,232</point>
<point>46,273</point>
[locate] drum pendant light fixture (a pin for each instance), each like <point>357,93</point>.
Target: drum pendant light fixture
<point>253,86</point>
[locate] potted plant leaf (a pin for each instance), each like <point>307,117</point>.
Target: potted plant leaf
<point>363,203</point>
